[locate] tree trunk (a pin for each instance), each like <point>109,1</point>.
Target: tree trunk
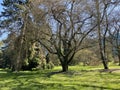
<point>64,63</point>
<point>64,67</point>
<point>13,68</point>
<point>18,63</point>
<point>119,59</point>
<point>100,39</point>
<point>104,61</point>
<point>103,55</point>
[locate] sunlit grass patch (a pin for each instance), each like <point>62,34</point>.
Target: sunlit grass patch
<point>77,78</point>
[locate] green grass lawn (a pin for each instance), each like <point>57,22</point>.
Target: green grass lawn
<point>77,78</point>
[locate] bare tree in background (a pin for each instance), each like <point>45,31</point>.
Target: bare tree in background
<point>114,33</point>
<point>103,12</point>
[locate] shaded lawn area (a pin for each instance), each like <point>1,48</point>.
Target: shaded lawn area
<point>78,78</point>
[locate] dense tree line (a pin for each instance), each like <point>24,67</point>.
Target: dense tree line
<point>40,32</point>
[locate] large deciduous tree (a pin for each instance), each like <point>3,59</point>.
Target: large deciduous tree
<point>69,24</point>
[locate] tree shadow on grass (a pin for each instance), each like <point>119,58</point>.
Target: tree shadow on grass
<point>98,87</point>
<point>22,80</point>
<point>27,75</point>
<point>31,84</point>
<point>53,73</point>
<point>38,86</point>
<point>58,86</point>
<point>71,72</point>
<point>68,73</point>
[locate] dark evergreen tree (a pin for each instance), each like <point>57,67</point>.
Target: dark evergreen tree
<point>18,23</point>
<point>11,24</point>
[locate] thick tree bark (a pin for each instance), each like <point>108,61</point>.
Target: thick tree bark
<point>64,67</point>
<point>64,63</point>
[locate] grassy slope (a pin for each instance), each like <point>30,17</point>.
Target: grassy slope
<point>78,78</point>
